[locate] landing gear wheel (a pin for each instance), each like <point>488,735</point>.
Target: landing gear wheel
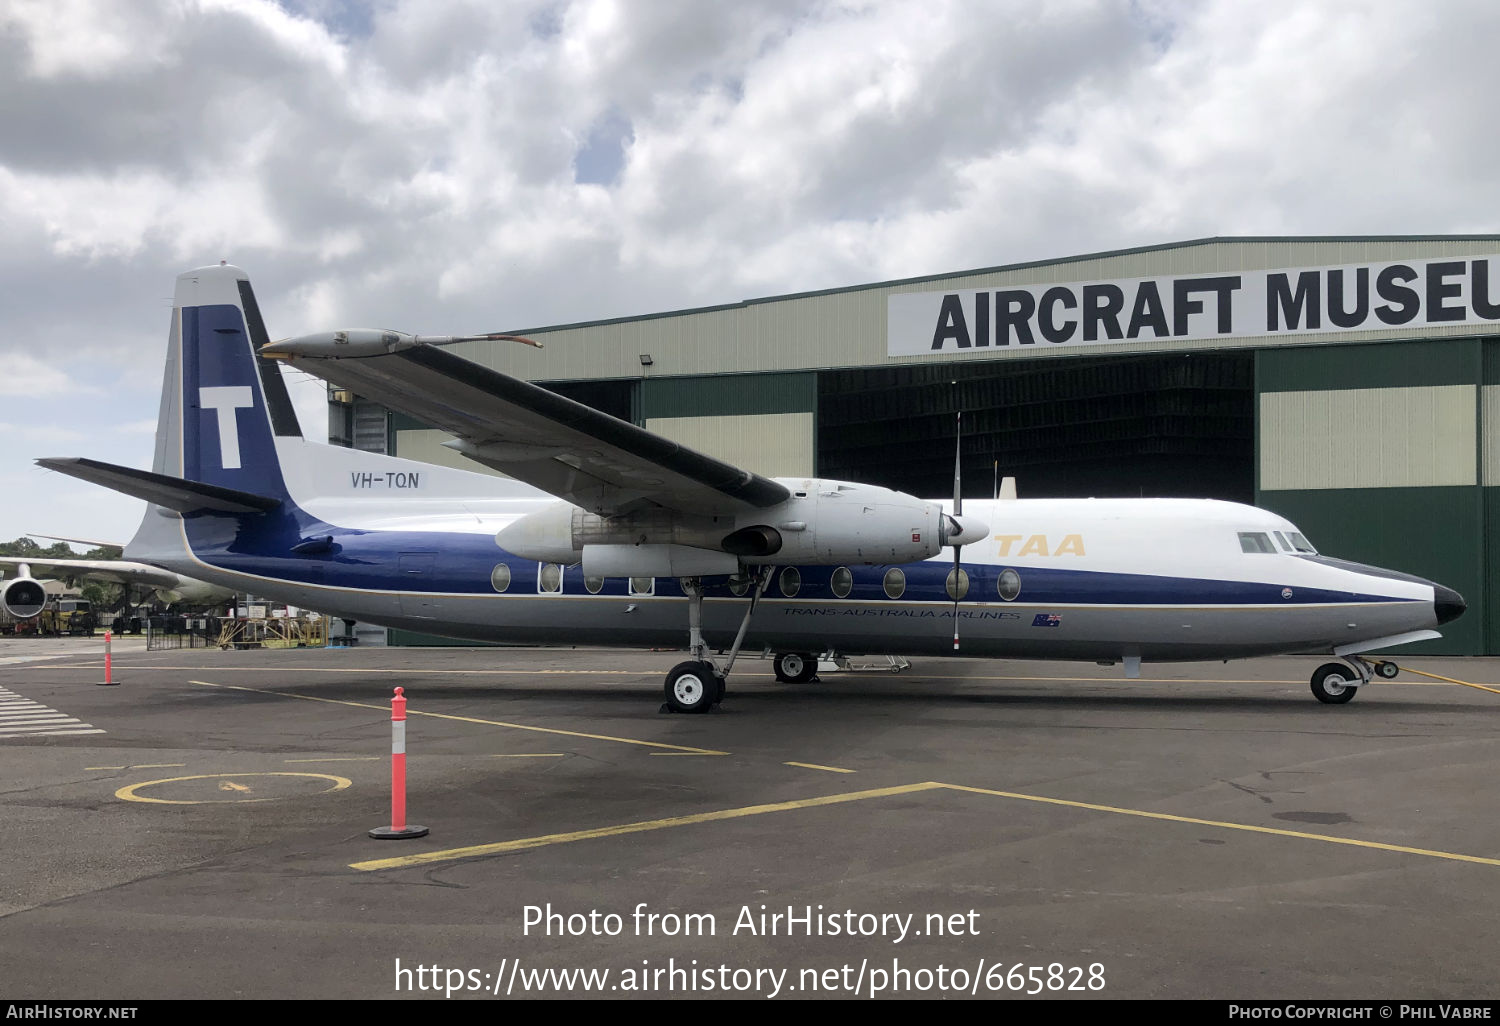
<point>1388,670</point>
<point>795,667</point>
<point>693,687</point>
<point>1334,683</point>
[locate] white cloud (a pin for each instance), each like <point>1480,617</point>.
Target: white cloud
<point>23,375</point>
<point>412,163</point>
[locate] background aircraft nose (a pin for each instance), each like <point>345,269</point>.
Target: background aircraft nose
<point>1447,603</point>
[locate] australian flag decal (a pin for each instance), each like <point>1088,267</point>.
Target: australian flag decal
<point>1046,620</point>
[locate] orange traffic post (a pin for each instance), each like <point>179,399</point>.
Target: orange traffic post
<point>399,828</point>
<point>106,679</point>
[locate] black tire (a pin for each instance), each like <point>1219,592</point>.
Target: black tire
<point>1331,684</point>
<point>692,687</point>
<point>1387,670</point>
<point>795,667</point>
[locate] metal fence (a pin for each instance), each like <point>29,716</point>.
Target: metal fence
<point>167,633</point>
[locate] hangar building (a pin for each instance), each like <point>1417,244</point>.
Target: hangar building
<point>1350,384</point>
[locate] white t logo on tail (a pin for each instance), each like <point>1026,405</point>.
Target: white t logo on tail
<point>227,399</point>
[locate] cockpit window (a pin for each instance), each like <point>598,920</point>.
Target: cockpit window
<point>1255,541</point>
<point>1286,546</point>
<point>1301,544</point>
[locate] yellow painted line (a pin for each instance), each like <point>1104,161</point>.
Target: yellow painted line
<point>813,765</point>
<point>557,755</point>
<point>371,670</point>
<point>465,719</point>
<point>852,674</point>
<point>1450,680</point>
<point>230,785</point>
<point>354,758</point>
<point>160,765</point>
<point>1220,824</point>
<point>89,768</point>
<point>128,793</point>
<point>474,851</point>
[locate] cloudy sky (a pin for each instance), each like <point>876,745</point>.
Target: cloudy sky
<point>457,166</point>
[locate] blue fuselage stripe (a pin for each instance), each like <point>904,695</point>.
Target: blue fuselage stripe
<point>432,562</point>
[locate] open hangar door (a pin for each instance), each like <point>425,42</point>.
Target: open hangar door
<point>1130,426</point>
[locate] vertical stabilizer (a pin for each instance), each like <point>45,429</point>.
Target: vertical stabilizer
<point>232,401</point>
<point>222,404</point>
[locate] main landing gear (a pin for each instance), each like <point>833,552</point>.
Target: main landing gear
<point>698,685</point>
<point>1335,683</point>
<point>795,667</point>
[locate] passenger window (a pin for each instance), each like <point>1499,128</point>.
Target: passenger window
<point>894,583</point>
<point>791,581</point>
<point>1255,541</point>
<point>500,577</point>
<point>549,579</point>
<point>842,582</point>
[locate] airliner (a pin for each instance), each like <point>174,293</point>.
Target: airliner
<point>604,533</point>
<point>24,596</point>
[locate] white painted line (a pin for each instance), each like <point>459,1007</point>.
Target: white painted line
<point>52,733</point>
<point>22,717</point>
<point>45,725</point>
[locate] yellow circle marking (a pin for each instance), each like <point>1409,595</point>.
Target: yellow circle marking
<point>128,794</point>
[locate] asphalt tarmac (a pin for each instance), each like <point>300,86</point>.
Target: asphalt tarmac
<point>201,829</point>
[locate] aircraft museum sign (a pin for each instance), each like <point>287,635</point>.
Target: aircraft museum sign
<point>1299,301</point>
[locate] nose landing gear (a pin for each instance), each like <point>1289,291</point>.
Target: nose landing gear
<point>795,667</point>
<point>1336,683</point>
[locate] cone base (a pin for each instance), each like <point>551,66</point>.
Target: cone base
<point>386,833</point>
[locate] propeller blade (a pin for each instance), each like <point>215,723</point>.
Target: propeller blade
<point>958,468</point>
<point>958,509</point>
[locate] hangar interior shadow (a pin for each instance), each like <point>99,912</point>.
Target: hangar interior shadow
<point>1179,425</point>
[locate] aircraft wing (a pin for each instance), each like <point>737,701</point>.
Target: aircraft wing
<point>118,570</point>
<point>591,459</point>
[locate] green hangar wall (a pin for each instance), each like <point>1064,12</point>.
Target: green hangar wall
<point>1351,384</point>
<point>1389,454</point>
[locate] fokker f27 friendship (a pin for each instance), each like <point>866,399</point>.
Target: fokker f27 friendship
<point>609,534</point>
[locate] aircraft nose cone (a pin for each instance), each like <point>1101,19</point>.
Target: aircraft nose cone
<point>1447,604</point>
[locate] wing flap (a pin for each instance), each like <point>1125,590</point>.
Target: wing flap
<point>172,492</point>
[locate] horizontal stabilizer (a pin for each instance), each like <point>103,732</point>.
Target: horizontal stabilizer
<point>172,492</point>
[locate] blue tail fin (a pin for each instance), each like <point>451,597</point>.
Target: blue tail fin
<point>234,403</point>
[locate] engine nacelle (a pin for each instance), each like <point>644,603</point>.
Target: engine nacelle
<point>836,522</point>
<point>656,561</point>
<point>23,597</point>
<point>823,523</point>
<point>558,533</point>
